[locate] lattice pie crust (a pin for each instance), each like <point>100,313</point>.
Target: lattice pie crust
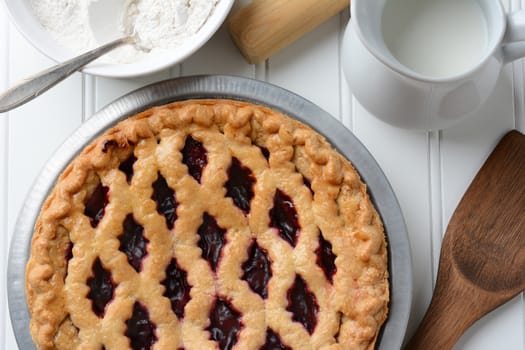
<point>208,224</point>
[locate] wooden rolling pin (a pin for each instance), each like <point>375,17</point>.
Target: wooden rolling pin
<point>266,26</point>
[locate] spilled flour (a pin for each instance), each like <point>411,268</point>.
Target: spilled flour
<point>158,25</point>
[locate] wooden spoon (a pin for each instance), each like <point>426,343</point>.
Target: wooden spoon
<point>482,263</point>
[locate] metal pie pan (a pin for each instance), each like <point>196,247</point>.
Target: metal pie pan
<point>236,88</point>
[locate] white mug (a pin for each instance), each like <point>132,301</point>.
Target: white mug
<point>410,99</point>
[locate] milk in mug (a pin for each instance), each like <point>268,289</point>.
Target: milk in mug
<point>435,38</point>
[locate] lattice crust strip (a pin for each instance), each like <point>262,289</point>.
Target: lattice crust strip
<point>202,213</point>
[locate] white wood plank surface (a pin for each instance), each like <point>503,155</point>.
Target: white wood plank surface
<point>218,56</point>
<point>4,126</point>
<point>429,172</point>
<point>310,67</point>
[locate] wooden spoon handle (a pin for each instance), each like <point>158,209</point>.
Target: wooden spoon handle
<point>265,26</point>
<point>455,306</point>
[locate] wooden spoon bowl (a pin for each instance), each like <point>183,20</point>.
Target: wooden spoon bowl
<point>482,263</point>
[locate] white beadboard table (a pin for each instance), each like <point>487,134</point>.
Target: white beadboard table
<point>429,171</point>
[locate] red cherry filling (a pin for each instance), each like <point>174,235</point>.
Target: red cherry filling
<point>265,152</point>
<point>127,167</point>
<point>177,288</point>
<point>240,185</point>
<point>211,240</point>
<point>273,342</point>
<point>195,156</point>
<point>68,255</point>
<point>69,251</point>
<point>141,331</point>
<point>257,270</point>
<point>225,324</point>
<point>107,144</point>
<point>166,202</point>
<point>302,304</point>
<point>326,258</point>
<point>308,184</point>
<point>96,204</point>
<point>133,243</point>
<point>101,288</point>
<point>283,217</point>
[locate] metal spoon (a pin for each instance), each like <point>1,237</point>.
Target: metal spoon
<point>31,87</point>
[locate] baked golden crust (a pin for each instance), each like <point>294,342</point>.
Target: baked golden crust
<point>65,245</point>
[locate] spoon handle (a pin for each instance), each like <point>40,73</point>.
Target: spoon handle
<point>31,87</point>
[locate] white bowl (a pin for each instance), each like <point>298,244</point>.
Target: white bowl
<point>25,20</point>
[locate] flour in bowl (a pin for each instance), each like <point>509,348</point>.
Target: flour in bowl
<point>158,25</point>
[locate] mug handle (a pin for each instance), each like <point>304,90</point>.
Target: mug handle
<point>514,41</point>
